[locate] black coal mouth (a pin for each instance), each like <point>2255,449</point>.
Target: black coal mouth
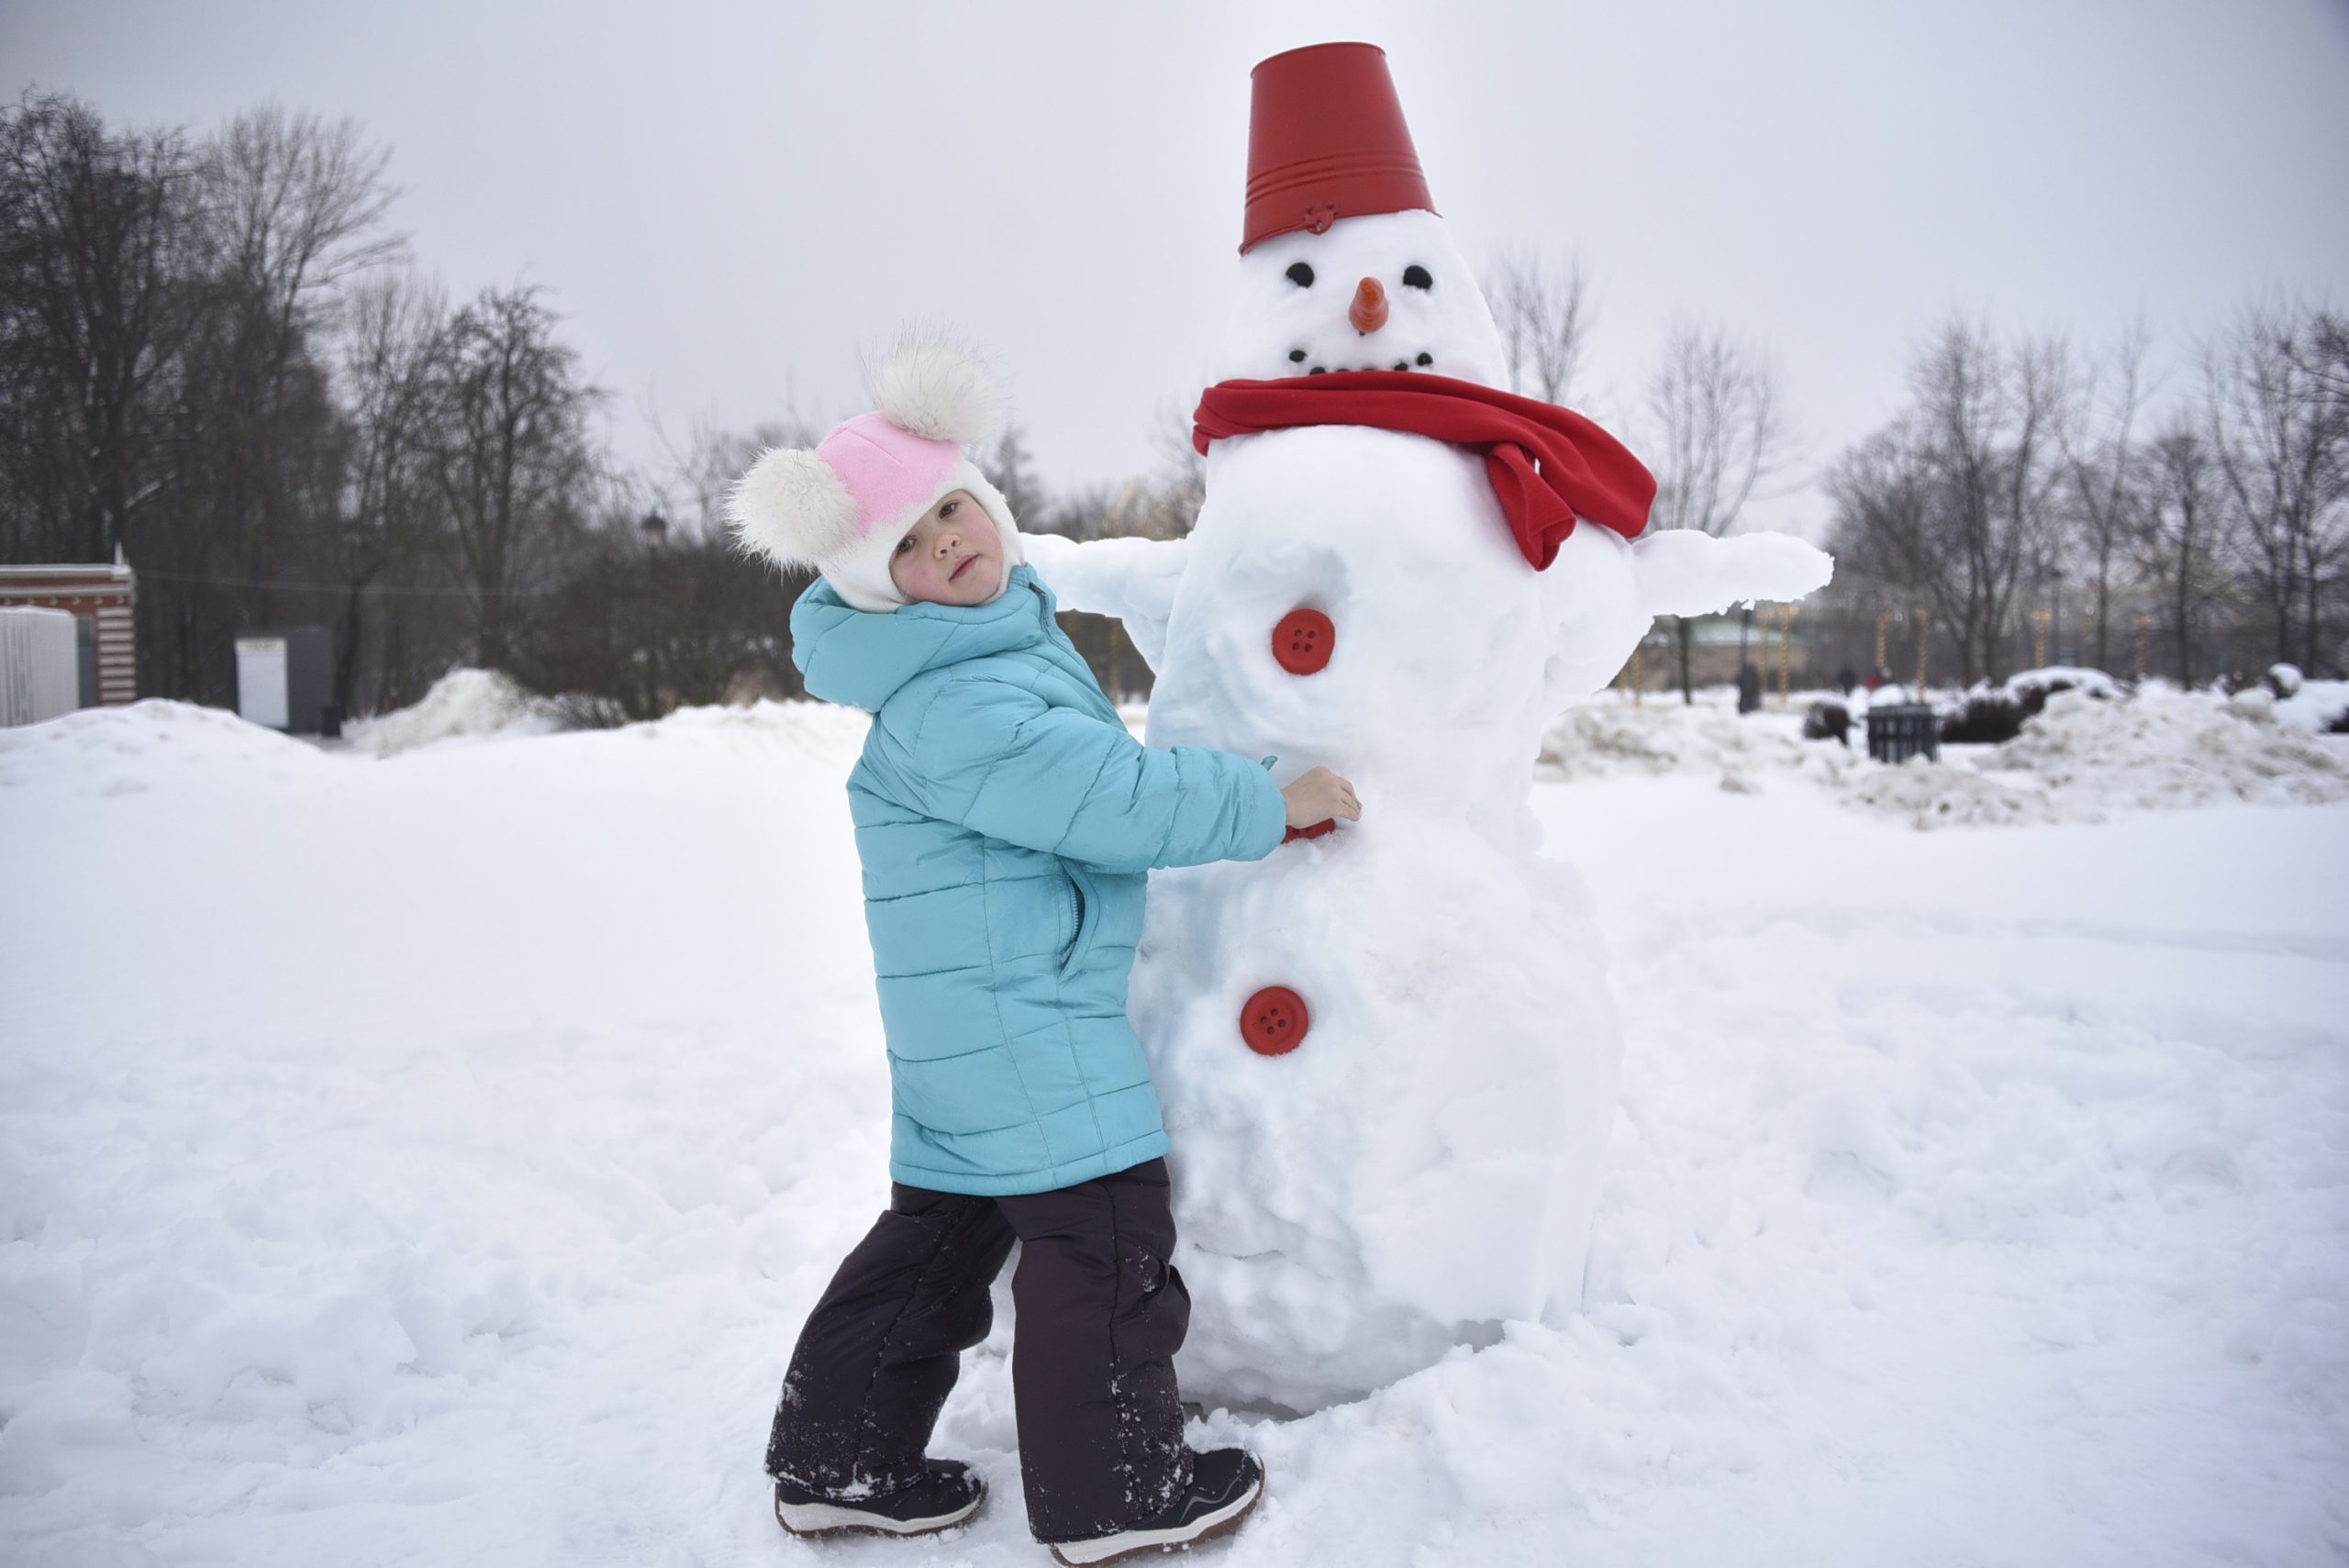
<point>1423,360</point>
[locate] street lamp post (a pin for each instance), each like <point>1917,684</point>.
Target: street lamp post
<point>655,531</point>
<point>1749,679</point>
<point>2059,615</point>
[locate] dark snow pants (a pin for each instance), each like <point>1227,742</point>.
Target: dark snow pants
<point>1100,1314</point>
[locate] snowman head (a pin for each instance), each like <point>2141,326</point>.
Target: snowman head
<point>1344,264</point>
<point>1383,291</point>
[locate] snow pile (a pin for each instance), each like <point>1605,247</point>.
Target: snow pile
<point>1954,794</point>
<point>2071,677</point>
<point>2168,748</point>
<point>2316,707</point>
<point>2082,759</point>
<point>1611,738</point>
<point>122,750</point>
<point>475,703</point>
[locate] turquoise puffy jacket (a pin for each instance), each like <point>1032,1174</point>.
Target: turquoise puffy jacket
<point>1006,822</point>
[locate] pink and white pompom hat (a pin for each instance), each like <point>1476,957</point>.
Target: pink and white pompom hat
<point>842,508</point>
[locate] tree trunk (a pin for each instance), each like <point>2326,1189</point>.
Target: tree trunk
<point>2308,624</point>
<point>346,664</point>
<point>2185,640</point>
<point>2103,604</point>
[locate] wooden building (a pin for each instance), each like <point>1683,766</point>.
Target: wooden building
<point>102,599</point>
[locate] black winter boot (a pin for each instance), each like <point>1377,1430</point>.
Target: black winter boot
<point>950,1493</point>
<point>1225,1486</point>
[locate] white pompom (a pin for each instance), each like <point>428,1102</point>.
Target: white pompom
<point>791,508</point>
<point>937,388</point>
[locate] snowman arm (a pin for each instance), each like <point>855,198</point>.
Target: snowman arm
<point>1131,579</point>
<point>1682,572</point>
<point>1606,593</point>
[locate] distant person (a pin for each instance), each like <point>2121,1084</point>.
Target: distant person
<point>1846,678</point>
<point>1749,688</point>
<point>1023,1106</point>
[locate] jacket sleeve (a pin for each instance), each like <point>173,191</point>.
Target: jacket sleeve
<point>999,760</point>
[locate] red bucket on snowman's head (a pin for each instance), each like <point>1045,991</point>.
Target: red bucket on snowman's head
<point>1326,140</point>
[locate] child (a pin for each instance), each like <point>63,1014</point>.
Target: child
<point>1006,821</point>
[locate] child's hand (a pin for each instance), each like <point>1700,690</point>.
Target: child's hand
<point>1319,796</point>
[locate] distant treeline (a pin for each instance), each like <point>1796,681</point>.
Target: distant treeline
<point>218,357</point>
<point>2026,487</point>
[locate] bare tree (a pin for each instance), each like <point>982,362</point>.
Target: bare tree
<point>297,208</point>
<point>95,233</point>
<point>1718,433</point>
<point>293,209</point>
<point>2274,421</point>
<point>2101,465</point>
<point>392,525</point>
<point>1011,468</point>
<point>1163,503</point>
<point>694,486</point>
<point>1543,308</point>
<point>2177,527</point>
<point>506,447</point>
<point>1952,500</point>
<point>637,625</point>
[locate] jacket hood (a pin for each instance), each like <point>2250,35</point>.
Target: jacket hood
<point>860,658</point>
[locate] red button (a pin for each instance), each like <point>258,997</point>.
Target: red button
<point>1302,642</point>
<point>1313,832</point>
<point>1273,1022</point>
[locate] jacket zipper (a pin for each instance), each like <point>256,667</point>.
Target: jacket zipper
<point>1077,930</point>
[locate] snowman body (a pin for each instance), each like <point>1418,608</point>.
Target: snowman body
<point>1387,1055</point>
<point>1421,1165</point>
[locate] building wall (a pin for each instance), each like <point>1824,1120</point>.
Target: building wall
<point>107,595</point>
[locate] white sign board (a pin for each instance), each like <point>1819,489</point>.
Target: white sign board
<point>261,680</point>
<point>39,665</point>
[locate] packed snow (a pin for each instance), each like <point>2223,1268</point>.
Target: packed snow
<point>430,1161</point>
<point>462,702</point>
<point>2054,679</point>
<point>2317,706</point>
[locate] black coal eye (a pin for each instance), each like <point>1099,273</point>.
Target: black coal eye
<point>1297,356</point>
<point>1417,277</point>
<point>1300,274</point>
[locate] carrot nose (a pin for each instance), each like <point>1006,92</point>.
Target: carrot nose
<point>1368,312</point>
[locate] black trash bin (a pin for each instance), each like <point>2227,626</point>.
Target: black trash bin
<point>1898,731</point>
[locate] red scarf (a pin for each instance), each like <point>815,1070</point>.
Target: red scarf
<point>1547,464</point>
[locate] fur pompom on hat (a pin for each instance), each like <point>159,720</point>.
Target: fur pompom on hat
<point>936,388</point>
<point>842,508</point>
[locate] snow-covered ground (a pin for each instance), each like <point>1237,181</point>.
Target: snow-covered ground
<point>429,1160</point>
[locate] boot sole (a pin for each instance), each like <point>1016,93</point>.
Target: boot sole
<point>1133,1543</point>
<point>834,1519</point>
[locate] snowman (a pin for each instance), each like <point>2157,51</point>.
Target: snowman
<point>1387,1054</point>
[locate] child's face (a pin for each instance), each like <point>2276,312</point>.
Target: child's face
<point>954,556</point>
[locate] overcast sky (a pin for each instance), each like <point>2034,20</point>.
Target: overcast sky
<point>729,201</point>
